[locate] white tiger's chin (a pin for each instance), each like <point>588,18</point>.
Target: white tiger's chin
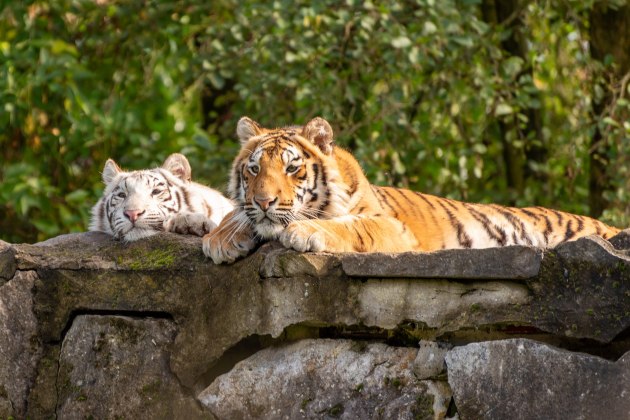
<point>138,233</point>
<point>268,230</point>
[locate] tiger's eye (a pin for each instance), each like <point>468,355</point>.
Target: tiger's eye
<point>291,169</point>
<point>254,169</point>
<point>156,192</point>
<point>122,195</point>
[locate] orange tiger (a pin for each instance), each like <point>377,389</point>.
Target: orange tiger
<point>294,185</point>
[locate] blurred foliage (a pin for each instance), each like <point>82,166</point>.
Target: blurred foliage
<point>421,91</point>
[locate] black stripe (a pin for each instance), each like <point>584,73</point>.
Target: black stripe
<point>385,191</point>
<point>367,232</point>
<point>110,214</point>
<point>495,233</point>
<point>239,183</point>
<point>462,237</point>
<point>580,221</point>
<point>356,231</point>
<point>412,205</point>
<point>516,223</point>
<point>325,203</point>
<point>315,175</point>
<point>426,200</point>
<point>450,203</point>
<point>548,229</point>
<point>568,234</point>
<point>558,215</point>
<point>431,213</point>
<point>531,214</point>
<point>384,200</point>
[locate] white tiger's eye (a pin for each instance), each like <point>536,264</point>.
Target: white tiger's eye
<point>156,192</point>
<point>254,169</point>
<point>122,195</point>
<point>292,168</point>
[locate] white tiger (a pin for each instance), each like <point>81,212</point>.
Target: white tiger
<point>138,204</point>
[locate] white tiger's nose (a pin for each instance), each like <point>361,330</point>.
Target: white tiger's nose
<point>265,203</point>
<point>133,215</point>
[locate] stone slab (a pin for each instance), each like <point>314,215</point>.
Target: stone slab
<point>512,262</point>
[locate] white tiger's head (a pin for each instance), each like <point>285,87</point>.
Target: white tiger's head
<point>135,204</point>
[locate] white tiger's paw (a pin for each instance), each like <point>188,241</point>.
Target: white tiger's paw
<point>222,248</point>
<point>189,223</point>
<point>303,236</point>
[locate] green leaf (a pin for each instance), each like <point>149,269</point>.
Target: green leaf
<point>503,109</point>
<point>401,42</point>
<point>512,66</point>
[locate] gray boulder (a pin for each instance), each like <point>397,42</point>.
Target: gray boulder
<point>327,379</point>
<point>117,367</point>
<point>524,379</point>
<point>20,347</point>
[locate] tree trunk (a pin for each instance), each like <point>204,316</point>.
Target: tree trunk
<point>609,32</point>
<point>508,13</point>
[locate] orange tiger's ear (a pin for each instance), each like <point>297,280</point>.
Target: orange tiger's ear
<point>178,165</point>
<point>110,171</point>
<point>320,133</point>
<point>247,128</point>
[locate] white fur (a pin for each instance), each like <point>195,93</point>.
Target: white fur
<point>160,212</point>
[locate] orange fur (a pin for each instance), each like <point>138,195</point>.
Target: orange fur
<point>291,184</point>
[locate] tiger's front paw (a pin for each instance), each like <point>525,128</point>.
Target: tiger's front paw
<point>303,236</point>
<point>223,246</point>
<point>189,223</point>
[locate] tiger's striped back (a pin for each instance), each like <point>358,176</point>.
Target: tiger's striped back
<point>442,223</point>
<point>292,184</point>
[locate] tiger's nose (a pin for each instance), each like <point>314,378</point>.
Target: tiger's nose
<point>265,203</point>
<point>133,215</point>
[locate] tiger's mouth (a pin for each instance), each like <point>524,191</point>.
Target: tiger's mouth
<point>136,233</point>
<point>141,229</point>
<point>268,229</point>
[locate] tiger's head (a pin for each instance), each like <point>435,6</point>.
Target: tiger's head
<point>286,174</point>
<point>135,204</point>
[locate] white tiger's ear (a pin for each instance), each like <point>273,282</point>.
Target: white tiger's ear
<point>247,128</point>
<point>178,165</point>
<point>110,171</point>
<point>320,133</point>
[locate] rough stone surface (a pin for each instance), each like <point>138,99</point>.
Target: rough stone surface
<point>19,345</point>
<point>326,379</point>
<point>523,379</point>
<point>583,291</point>
<point>516,262</point>
<point>440,304</point>
<point>7,261</point>
<point>429,362</point>
<point>117,367</point>
<point>621,242</point>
